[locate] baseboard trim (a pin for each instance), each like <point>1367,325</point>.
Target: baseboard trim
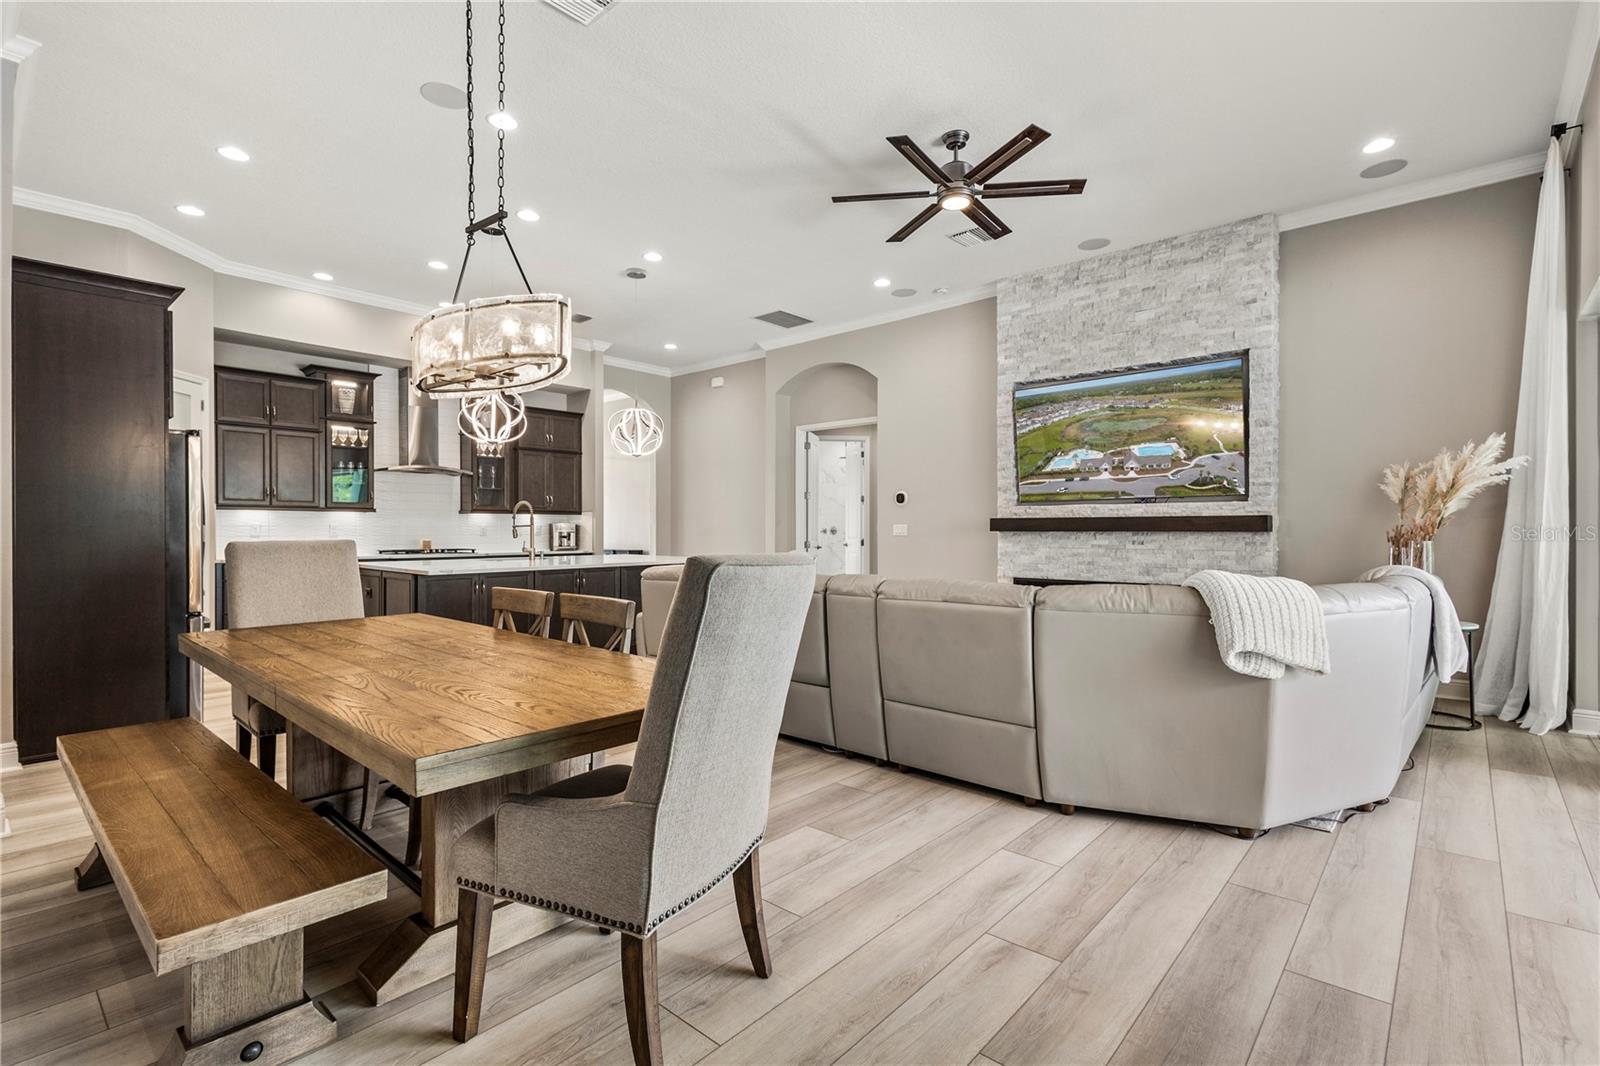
<point>1585,722</point>
<point>8,757</point>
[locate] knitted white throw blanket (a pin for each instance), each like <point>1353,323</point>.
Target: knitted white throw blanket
<point>1264,624</point>
<point>1449,646</point>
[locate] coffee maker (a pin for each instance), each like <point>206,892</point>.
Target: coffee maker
<point>563,536</point>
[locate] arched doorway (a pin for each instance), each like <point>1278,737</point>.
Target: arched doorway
<point>826,470</point>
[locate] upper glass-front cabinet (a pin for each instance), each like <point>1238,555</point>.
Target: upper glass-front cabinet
<point>348,432</point>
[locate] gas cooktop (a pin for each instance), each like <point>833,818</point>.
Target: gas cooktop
<point>427,551</point>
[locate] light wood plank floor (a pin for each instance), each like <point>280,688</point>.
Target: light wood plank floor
<point>917,920</point>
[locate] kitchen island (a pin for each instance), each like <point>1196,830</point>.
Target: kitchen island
<point>459,586</point>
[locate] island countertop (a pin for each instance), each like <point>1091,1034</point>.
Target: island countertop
<point>453,565</point>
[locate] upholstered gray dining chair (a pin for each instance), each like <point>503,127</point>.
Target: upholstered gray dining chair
<point>627,848</point>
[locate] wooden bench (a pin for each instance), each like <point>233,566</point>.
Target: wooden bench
<point>221,871</point>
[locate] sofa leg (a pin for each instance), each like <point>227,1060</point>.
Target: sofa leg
<point>1366,808</point>
<point>1248,834</point>
<point>1383,801</point>
<point>902,767</point>
<point>1069,808</point>
<point>1029,801</point>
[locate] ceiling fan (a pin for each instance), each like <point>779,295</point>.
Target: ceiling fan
<point>964,187</point>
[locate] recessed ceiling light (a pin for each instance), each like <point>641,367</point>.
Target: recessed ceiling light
<point>234,152</point>
<point>669,346</point>
<point>1378,144</point>
<point>191,210</point>
<point>1384,169</point>
<point>443,94</point>
<point>502,120</point>
<point>444,303</point>
<point>882,283</point>
<point>652,257</point>
<point>323,275</point>
<point>438,264</point>
<point>528,214</point>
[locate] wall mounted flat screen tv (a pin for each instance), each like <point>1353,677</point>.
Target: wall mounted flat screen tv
<point>1161,433</point>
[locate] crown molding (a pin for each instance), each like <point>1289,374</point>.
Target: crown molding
<point>1426,189</point>
<point>806,334</point>
<point>143,227</point>
<point>642,368</point>
<point>16,49</point>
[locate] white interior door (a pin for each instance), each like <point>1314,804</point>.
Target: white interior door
<point>835,499</point>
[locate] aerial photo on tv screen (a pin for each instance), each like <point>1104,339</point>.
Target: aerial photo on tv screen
<point>1169,432</point>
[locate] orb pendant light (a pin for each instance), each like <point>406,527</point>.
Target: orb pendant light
<point>493,420</point>
<point>496,345</point>
<point>636,431</point>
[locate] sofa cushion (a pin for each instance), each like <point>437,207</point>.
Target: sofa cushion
<point>857,695</point>
<point>964,647</point>
<point>811,661</point>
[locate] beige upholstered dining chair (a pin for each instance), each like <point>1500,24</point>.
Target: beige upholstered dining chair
<point>506,603</point>
<point>578,612</point>
<point>627,848</point>
<point>280,582</point>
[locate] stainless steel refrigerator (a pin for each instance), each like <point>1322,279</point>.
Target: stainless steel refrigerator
<point>186,551</point>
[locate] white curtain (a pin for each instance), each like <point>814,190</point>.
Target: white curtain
<point>1525,640</point>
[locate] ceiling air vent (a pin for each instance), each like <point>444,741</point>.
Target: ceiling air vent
<point>784,319</point>
<point>969,237</point>
<point>584,11</point>
<point>581,319</point>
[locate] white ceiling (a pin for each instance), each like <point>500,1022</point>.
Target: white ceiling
<point>716,132</point>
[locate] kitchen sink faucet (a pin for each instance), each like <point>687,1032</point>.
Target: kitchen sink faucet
<point>516,511</point>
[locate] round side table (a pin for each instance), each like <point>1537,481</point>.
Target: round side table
<point>1470,631</point>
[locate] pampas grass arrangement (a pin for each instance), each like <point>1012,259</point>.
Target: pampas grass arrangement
<point>1427,494</point>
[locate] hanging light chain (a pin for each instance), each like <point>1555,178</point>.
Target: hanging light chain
<point>501,172</point>
<point>472,158</point>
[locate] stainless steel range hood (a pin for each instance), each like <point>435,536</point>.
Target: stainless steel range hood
<point>419,434</point>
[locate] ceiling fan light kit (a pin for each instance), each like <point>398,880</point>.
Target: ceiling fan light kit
<point>491,348</point>
<point>961,186</point>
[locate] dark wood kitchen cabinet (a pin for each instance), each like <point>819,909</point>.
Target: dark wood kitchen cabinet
<point>551,481</point>
<point>545,467</point>
<point>270,441</point>
<point>91,385</point>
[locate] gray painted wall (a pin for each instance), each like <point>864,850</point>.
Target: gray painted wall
<point>1402,334</point>
<point>718,479</point>
<point>935,441</point>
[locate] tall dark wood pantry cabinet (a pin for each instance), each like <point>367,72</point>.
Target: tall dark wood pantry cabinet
<point>92,387</point>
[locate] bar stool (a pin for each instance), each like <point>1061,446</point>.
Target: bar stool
<point>506,602</point>
<point>578,612</point>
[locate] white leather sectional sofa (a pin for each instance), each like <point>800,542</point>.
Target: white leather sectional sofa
<point>1106,696</point>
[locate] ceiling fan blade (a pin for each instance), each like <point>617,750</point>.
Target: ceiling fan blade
<point>987,219</point>
<point>882,196</point>
<point>1008,153</point>
<point>918,158</point>
<point>1000,189</point>
<point>915,224</point>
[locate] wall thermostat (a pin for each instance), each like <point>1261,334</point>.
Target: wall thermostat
<point>900,498</point>
<point>716,382</point>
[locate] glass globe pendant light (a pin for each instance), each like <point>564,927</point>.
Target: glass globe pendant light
<point>636,431</point>
<point>488,349</point>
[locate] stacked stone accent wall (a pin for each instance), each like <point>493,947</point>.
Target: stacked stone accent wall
<point>1202,293</point>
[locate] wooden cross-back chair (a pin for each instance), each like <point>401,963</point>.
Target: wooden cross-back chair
<point>507,602</point>
<point>578,612</point>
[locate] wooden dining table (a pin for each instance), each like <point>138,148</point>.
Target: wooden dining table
<point>456,715</point>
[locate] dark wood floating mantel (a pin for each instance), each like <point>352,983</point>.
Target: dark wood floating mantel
<point>1218,523</point>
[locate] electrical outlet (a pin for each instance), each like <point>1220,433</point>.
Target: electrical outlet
<point>255,529</point>
<point>333,530</point>
<point>901,530</point>
<point>483,531</point>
